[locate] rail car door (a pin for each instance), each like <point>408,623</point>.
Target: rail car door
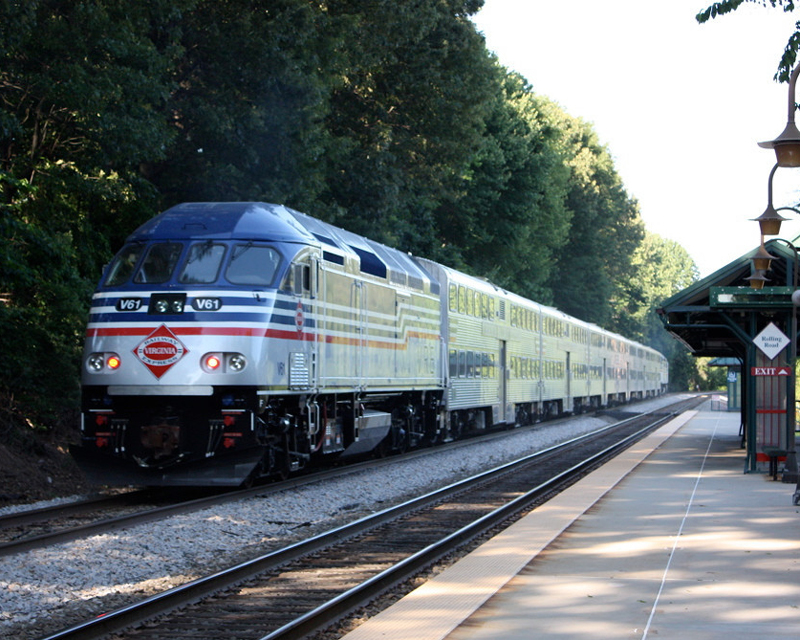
<point>358,305</point>
<point>627,381</point>
<point>568,405</point>
<point>503,390</point>
<point>302,355</point>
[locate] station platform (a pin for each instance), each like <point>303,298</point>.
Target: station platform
<point>671,539</point>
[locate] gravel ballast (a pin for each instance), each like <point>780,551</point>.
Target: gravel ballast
<point>45,590</point>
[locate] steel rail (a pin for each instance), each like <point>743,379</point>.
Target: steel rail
<point>32,516</point>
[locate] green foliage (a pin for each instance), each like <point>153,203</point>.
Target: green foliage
<point>605,229</point>
<point>659,268</point>
<point>512,217</point>
<point>82,85</point>
<point>41,316</point>
<point>251,91</point>
<point>683,374</point>
<point>727,6</point>
<point>409,117</point>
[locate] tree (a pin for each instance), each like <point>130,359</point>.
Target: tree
<point>605,228</point>
<point>512,218</point>
<point>660,269</point>
<point>80,87</point>
<point>410,115</point>
<point>247,111</point>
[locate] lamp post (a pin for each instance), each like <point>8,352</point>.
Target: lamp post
<point>787,144</point>
<point>787,154</point>
<point>770,221</point>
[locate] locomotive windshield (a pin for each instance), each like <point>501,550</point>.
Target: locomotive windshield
<point>158,263</point>
<point>248,264</point>
<point>202,264</point>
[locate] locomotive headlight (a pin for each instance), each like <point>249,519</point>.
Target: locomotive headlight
<point>236,362</point>
<point>167,303</point>
<point>103,362</point>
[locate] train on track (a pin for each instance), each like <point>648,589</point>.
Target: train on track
<point>232,341</point>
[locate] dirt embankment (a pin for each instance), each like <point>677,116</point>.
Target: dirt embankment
<point>37,467</point>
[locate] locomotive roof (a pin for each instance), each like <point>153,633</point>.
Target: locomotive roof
<point>265,222</point>
<point>224,221</point>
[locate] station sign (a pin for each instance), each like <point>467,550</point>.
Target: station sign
<point>771,341</point>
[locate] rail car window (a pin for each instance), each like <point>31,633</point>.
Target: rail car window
<point>158,263</point>
<point>462,364</point>
<point>253,265</point>
<point>122,267</point>
<point>202,264</point>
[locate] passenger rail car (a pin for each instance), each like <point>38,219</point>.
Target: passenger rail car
<point>229,341</point>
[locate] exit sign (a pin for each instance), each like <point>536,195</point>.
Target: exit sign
<point>771,371</point>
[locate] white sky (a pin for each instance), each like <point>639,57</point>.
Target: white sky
<point>680,106</point>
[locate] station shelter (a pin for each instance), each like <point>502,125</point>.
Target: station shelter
<point>733,380</point>
<point>723,316</point>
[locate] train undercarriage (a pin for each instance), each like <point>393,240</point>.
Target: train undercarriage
<point>236,436</point>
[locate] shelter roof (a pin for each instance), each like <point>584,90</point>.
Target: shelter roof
<point>707,329</point>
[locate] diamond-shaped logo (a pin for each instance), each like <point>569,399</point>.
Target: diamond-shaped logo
<point>160,350</point>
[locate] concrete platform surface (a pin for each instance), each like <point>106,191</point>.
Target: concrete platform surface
<point>669,540</point>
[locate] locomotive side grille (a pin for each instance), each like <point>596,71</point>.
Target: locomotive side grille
<point>299,371</point>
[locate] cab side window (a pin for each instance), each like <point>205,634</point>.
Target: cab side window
<point>122,267</point>
<point>297,279</point>
<point>253,265</point>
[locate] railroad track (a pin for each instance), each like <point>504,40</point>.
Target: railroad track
<point>294,591</point>
<point>38,528</point>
